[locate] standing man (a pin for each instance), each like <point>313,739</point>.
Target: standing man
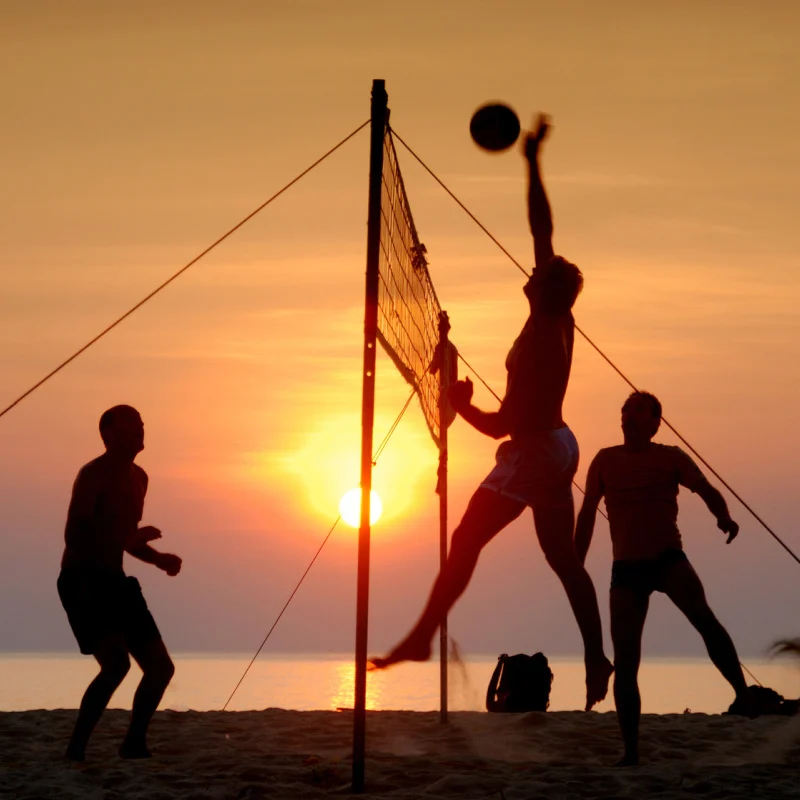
<point>536,466</point>
<point>105,608</point>
<point>640,480</point>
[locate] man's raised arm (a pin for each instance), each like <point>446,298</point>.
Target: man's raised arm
<point>539,215</point>
<point>584,527</point>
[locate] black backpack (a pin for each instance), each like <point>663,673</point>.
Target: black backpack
<point>520,683</point>
<point>763,700</point>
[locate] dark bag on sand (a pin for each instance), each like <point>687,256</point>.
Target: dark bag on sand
<point>520,683</point>
<point>763,700</point>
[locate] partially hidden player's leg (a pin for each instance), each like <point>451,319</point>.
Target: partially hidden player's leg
<point>487,514</point>
<point>111,653</point>
<point>628,613</point>
<point>554,528</point>
<point>683,586</point>
<point>157,671</point>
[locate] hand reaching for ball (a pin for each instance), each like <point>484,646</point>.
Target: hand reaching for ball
<point>537,134</point>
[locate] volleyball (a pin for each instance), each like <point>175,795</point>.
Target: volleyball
<point>494,127</point>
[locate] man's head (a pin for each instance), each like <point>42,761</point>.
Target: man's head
<point>641,416</point>
<point>554,287</point>
<point>122,431</point>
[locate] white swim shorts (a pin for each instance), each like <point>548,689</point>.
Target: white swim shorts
<point>538,470</point>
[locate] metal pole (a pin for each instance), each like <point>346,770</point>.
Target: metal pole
<point>444,380</point>
<point>378,132</point>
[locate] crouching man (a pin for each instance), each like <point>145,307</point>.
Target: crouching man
<point>105,607</point>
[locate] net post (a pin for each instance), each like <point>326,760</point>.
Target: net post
<point>444,372</point>
<point>379,116</point>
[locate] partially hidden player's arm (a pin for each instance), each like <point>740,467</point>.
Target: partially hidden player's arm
<point>141,535</point>
<point>718,507</point>
<point>80,516</point>
<point>489,423</point>
<point>539,214</point>
<point>584,527</point>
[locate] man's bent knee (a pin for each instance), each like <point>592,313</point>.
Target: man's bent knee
<point>114,670</point>
<point>625,674</point>
<point>625,685</point>
<point>564,562</point>
<point>160,671</point>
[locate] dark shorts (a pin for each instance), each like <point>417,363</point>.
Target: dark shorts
<point>102,604</point>
<point>645,575</point>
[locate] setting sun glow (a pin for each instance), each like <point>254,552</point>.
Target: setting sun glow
<point>350,507</point>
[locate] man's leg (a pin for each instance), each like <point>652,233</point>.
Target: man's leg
<point>554,528</point>
<point>683,586</point>
<point>487,514</point>
<point>628,613</point>
<point>157,669</point>
<point>111,654</point>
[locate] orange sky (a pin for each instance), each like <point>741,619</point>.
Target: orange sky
<point>134,135</point>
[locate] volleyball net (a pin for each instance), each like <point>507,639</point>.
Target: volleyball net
<point>410,319</point>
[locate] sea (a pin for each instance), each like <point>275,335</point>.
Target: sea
<point>208,682</point>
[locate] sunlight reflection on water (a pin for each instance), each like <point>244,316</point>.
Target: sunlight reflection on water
<point>203,682</point>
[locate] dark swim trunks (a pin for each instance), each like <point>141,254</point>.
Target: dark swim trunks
<point>645,575</point>
<point>100,604</point>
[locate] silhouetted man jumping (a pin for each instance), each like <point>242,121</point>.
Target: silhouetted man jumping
<point>639,480</point>
<point>105,608</point>
<point>536,466</point>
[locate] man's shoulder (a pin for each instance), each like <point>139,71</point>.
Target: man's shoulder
<point>605,458</point>
<point>90,477</point>
<point>92,469</point>
<point>605,454</point>
<point>670,451</point>
<point>97,469</point>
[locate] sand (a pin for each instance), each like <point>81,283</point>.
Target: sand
<point>306,754</point>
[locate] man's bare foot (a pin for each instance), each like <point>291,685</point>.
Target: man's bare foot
<point>75,753</point>
<point>134,750</point>
<point>598,674</point>
<point>628,760</point>
<point>410,649</point>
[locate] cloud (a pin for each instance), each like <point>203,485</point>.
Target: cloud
<point>579,178</point>
<point>607,180</point>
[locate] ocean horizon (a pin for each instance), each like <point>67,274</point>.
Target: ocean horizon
<point>324,681</point>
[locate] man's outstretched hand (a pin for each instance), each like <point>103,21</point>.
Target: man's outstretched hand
<point>537,134</point>
<point>169,563</point>
<point>460,394</point>
<point>727,525</point>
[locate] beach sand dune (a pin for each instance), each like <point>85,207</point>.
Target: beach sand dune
<point>306,754</point>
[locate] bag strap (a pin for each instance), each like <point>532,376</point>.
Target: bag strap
<point>492,703</point>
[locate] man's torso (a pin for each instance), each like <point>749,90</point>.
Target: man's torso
<point>641,492</point>
<point>116,512</point>
<point>538,365</point>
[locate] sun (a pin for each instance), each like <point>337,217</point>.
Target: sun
<point>350,507</point>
